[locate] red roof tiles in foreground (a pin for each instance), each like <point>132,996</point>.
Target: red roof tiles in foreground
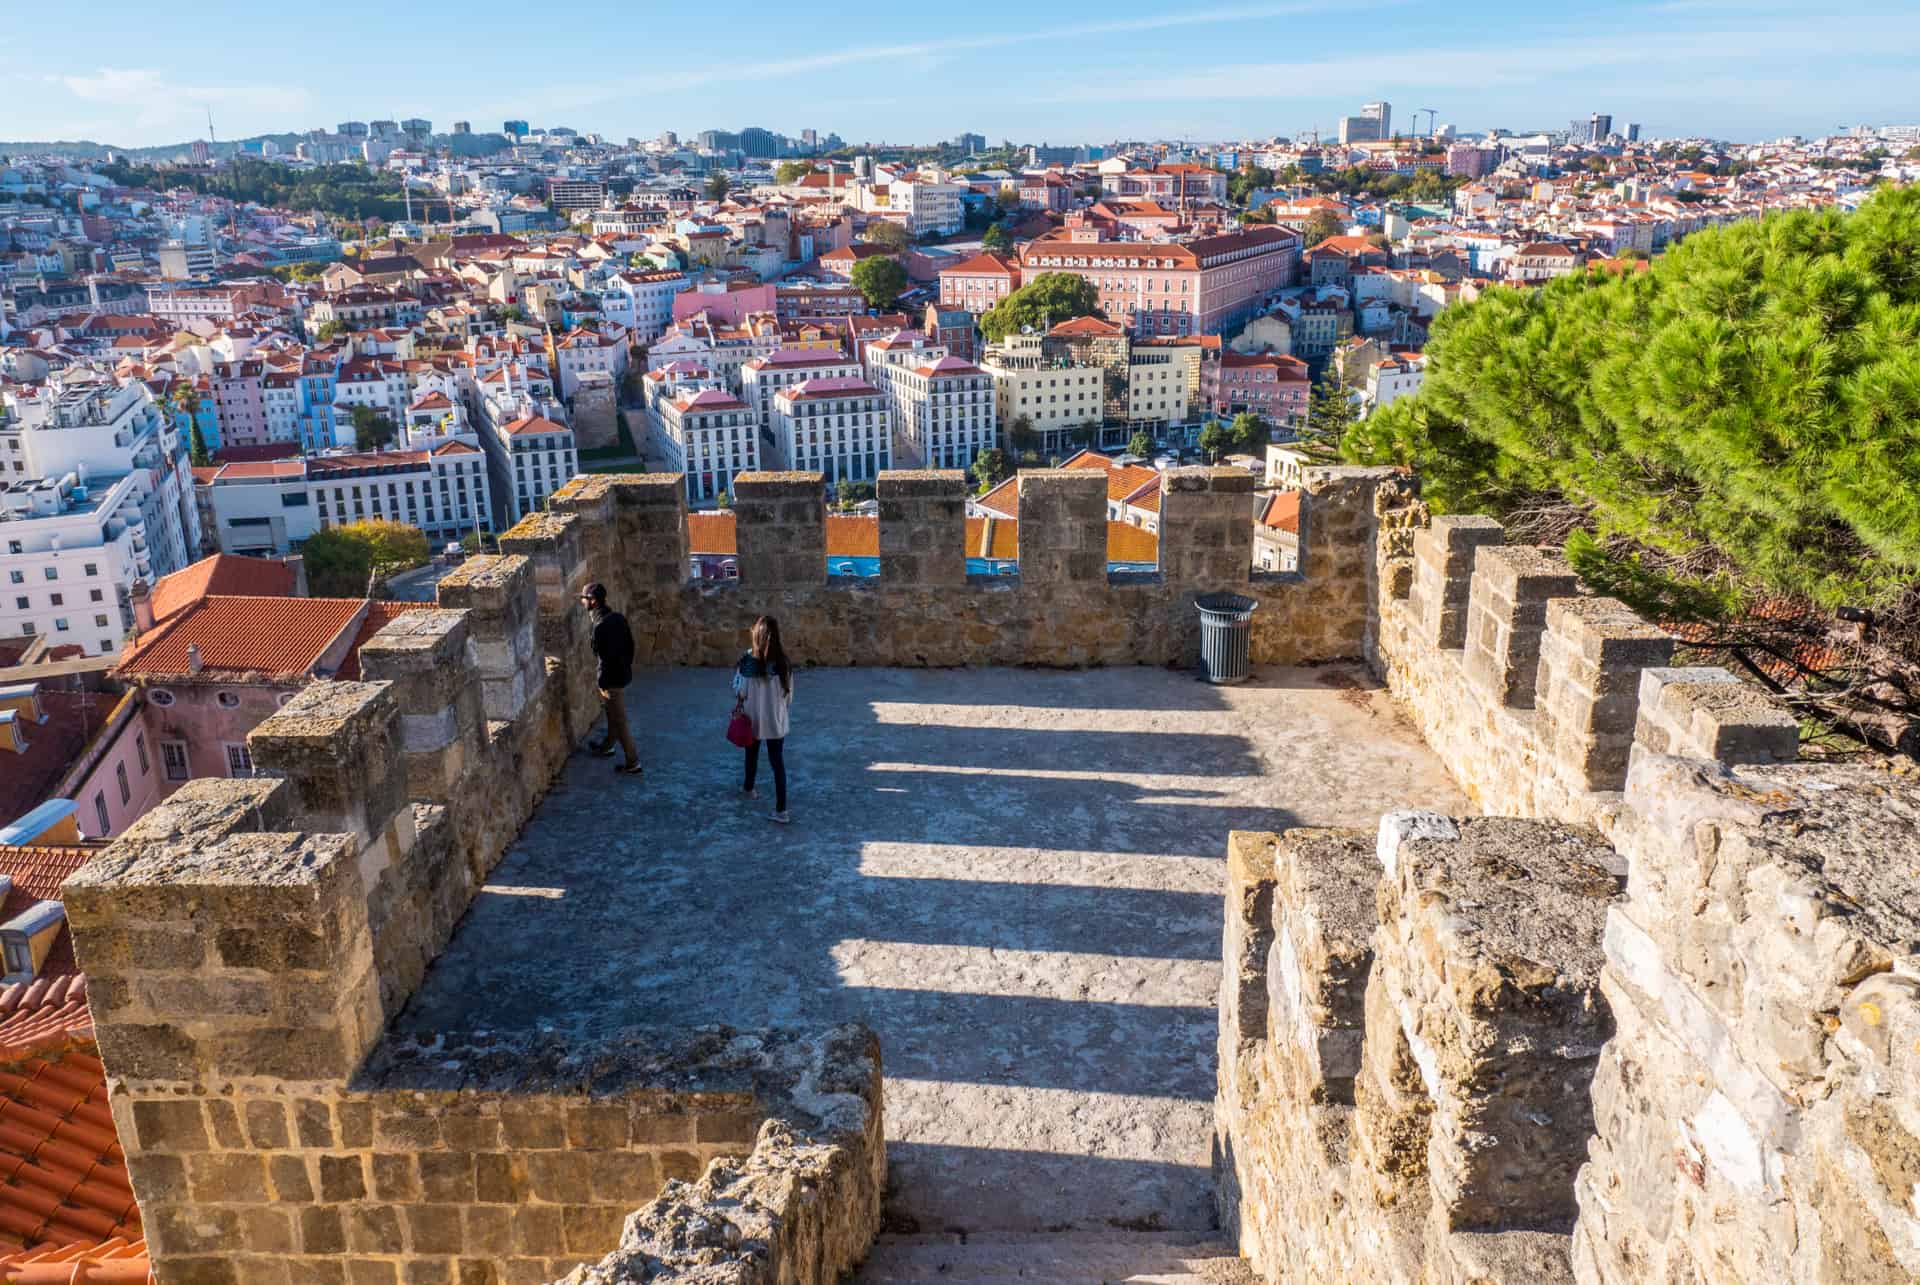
<point>63,1175</point>
<point>275,636</point>
<point>221,573</point>
<point>115,1261</point>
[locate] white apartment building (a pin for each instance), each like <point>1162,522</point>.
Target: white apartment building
<point>764,376</point>
<point>836,425</point>
<point>642,301</point>
<point>529,458</point>
<point>709,435</point>
<point>1396,377</point>
<point>947,414</point>
<point>925,206</point>
<point>95,493</point>
<point>443,491</point>
<point>583,350</point>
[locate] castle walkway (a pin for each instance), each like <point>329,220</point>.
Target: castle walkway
<point>1014,876</point>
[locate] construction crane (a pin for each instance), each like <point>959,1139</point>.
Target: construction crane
<point>1432,115</point>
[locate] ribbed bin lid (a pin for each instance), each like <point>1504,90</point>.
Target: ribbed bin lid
<point>1231,607</point>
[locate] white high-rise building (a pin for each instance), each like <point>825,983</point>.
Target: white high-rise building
<point>95,494</point>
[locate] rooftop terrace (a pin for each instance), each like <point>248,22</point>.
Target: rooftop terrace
<point>1015,876</point>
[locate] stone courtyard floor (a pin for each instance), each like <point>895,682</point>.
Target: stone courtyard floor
<point>1014,876</point>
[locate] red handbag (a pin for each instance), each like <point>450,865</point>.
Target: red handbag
<point>740,729</point>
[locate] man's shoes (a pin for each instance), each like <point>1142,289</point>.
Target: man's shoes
<point>748,792</point>
<point>779,818</point>
<point>629,769</point>
<point>600,751</point>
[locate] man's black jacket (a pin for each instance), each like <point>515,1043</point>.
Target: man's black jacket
<point>613,648</point>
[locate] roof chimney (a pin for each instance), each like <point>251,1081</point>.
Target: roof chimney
<point>193,658</point>
<point>142,596</point>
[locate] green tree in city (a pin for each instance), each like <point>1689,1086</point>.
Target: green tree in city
<point>1249,432</point>
<point>1085,433</point>
<point>1321,225</point>
<point>791,172</point>
<point>895,238</point>
<point>1021,434</point>
<point>341,560</point>
<point>880,281</point>
<point>328,331</point>
<point>989,468</point>
<point>1047,300</point>
<point>1330,413</point>
<point>1246,180</point>
<point>995,238</point>
<point>372,431</point>
<point>1008,199</point>
<point>197,451</point>
<point>718,185</point>
<point>1214,438</point>
<point>1141,443</point>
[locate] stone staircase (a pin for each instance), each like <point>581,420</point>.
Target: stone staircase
<point>1070,1258</point>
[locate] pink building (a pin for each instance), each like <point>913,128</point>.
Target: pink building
<point>1270,385</point>
<point>978,283</point>
<point>1199,286</point>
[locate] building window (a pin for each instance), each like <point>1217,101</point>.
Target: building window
<point>140,749</point>
<point>120,775</point>
<point>99,813</point>
<point>239,762</point>
<point>228,700</point>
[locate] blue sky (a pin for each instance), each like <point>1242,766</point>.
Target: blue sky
<point>140,74</point>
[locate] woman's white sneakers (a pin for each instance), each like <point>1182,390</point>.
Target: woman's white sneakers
<point>779,818</point>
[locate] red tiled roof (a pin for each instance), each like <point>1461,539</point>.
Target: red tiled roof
<point>221,573</point>
<point>1282,512</point>
<point>65,1174</point>
<point>858,536</point>
<point>282,637</point>
<point>852,536</point>
<point>114,1261</point>
<point>984,264</point>
<point>379,616</point>
<point>1080,327</point>
<point>711,533</point>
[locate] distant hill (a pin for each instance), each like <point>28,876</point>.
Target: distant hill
<point>87,149</point>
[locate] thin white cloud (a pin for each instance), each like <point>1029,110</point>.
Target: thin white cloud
<point>923,53</point>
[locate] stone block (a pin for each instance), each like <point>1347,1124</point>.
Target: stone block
<point>1206,539</point>
<point>1443,557</point>
<point>1063,526</point>
<point>1324,919</point>
<point>1507,615</point>
<point>1588,687</point>
<point>780,529</point>
<point>1490,951</point>
<point>923,527</point>
<point>1249,936</point>
<point>1708,713</point>
<point>555,544</point>
<point>426,656</point>
<point>649,549</point>
<point>498,595</point>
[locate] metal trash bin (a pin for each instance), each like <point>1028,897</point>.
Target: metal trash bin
<point>1225,635</point>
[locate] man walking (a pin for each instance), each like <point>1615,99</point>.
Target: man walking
<point>613,656</point>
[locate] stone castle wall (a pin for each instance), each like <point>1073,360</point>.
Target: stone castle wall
<point>1658,1023</point>
<point>1063,608</point>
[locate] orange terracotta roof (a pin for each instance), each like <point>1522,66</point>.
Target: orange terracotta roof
<point>1282,512</point>
<point>221,573</point>
<point>114,1261</point>
<point>379,616</point>
<point>283,637</point>
<point>711,533</point>
<point>49,1013</point>
<point>853,536</point>
<point>63,1175</point>
<point>1087,327</point>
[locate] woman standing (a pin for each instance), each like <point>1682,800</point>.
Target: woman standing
<point>763,684</point>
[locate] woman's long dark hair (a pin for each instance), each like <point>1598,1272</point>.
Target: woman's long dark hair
<point>775,657</point>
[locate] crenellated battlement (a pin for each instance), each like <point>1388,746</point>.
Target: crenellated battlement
<point>1653,1019</point>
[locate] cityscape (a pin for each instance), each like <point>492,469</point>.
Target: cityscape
<point>1354,683</point>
